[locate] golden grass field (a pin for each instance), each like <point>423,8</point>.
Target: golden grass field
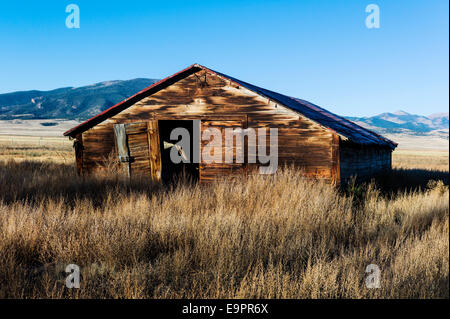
<point>267,237</point>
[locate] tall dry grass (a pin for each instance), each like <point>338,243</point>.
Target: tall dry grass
<point>267,237</point>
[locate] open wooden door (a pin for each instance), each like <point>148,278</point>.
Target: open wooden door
<point>138,149</point>
<point>210,171</point>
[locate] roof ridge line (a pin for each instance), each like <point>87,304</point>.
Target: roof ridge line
<point>317,114</point>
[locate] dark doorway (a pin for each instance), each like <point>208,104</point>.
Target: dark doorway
<point>171,171</point>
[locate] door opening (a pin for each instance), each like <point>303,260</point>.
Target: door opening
<point>171,171</point>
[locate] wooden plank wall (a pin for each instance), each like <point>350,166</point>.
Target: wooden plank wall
<point>301,141</point>
<point>363,162</point>
<point>137,136</point>
<point>98,147</point>
<point>212,171</point>
<point>78,145</point>
<point>142,144</point>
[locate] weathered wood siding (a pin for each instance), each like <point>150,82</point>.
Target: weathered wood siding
<point>335,161</point>
<point>78,145</point>
<point>363,162</point>
<point>142,142</point>
<point>211,171</point>
<point>203,96</point>
<point>98,144</point>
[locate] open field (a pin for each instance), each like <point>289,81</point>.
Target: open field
<point>20,127</point>
<point>427,142</point>
<point>428,160</point>
<point>268,237</point>
<point>36,148</point>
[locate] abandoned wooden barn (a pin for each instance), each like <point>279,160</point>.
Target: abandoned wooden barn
<point>137,130</point>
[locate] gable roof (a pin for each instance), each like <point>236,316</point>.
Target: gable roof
<point>347,129</point>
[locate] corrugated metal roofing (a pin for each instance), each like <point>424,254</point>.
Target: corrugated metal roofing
<point>353,132</point>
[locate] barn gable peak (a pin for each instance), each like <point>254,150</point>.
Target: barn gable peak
<point>328,120</point>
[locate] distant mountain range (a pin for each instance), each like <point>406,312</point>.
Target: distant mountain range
<point>403,122</point>
<point>68,103</point>
<point>81,103</point>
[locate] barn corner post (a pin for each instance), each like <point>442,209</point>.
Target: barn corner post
<point>154,150</point>
<point>390,161</point>
<point>335,167</point>
<point>245,146</point>
<point>78,146</point>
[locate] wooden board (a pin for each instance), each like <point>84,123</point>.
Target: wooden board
<point>335,170</point>
<point>154,150</point>
<point>142,149</point>
<point>216,170</point>
<point>78,145</point>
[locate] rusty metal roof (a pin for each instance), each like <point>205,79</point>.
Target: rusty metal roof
<point>336,123</point>
<point>352,131</point>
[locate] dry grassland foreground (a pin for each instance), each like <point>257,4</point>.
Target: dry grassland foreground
<point>280,236</point>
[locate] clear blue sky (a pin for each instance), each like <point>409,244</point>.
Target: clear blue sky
<point>320,51</point>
